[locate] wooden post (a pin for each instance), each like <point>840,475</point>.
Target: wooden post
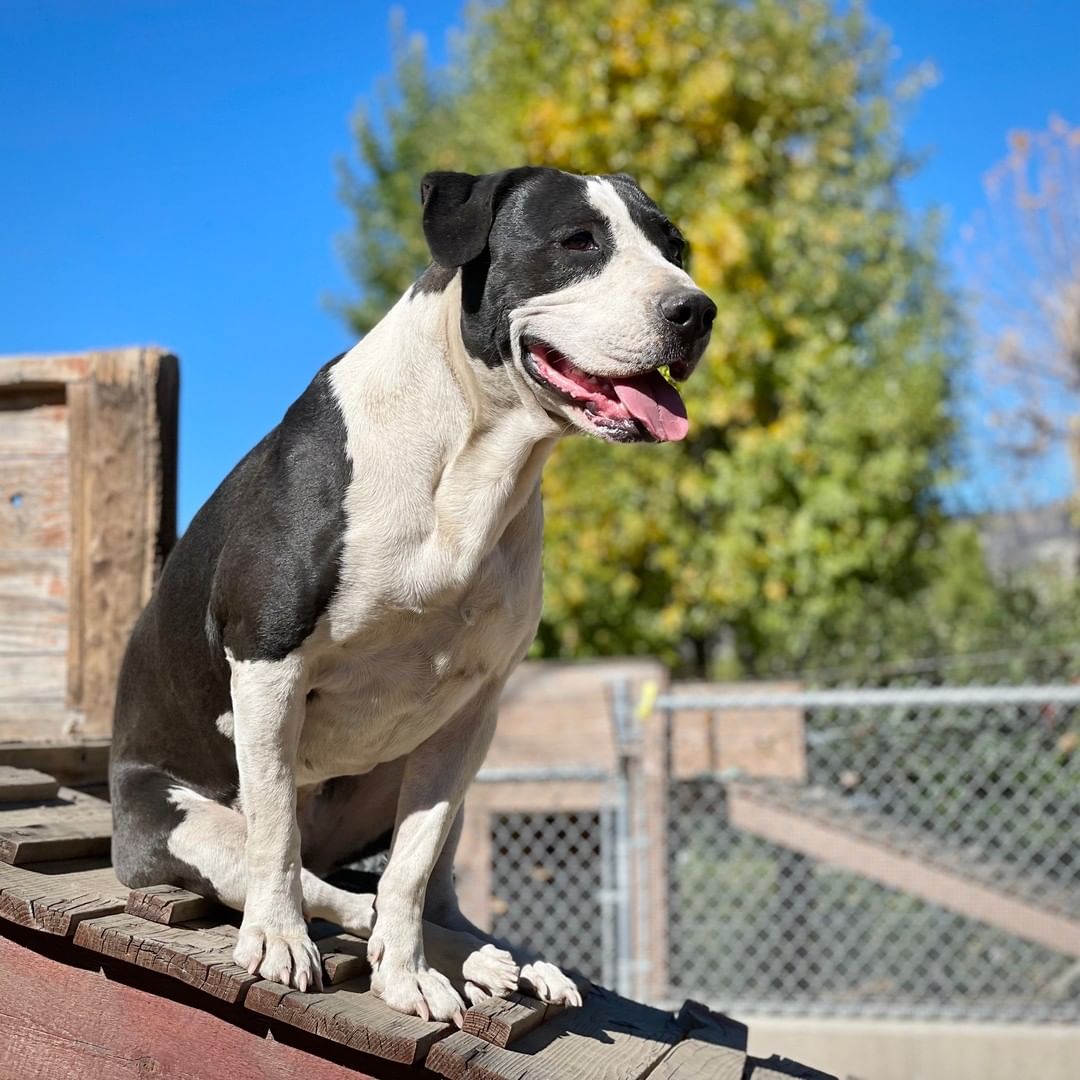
<point>87,515</point>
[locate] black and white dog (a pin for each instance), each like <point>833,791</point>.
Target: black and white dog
<point>323,656</point>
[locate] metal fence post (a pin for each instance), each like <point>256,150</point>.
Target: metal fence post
<point>622,715</point>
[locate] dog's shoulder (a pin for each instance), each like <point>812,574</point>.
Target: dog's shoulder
<point>278,525</point>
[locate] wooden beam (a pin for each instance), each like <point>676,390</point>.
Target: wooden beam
<point>200,957</point>
<point>61,833</point>
<point>26,785</point>
<point>58,903</point>
<point>73,761</point>
<point>350,1014</point>
<point>167,905</point>
<point>608,1036</point>
<point>871,856</point>
<point>501,1021</point>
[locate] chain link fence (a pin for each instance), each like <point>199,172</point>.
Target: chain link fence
<point>918,856</point>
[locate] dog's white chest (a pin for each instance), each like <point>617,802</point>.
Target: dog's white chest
<point>409,667</point>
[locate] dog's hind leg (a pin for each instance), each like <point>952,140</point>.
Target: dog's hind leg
<point>541,979</point>
<point>169,834</point>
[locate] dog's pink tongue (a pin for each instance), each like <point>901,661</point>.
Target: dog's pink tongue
<point>656,403</point>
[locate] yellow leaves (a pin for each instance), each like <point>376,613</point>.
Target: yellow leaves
<point>775,590</point>
<point>705,84</point>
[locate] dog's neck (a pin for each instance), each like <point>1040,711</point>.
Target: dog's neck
<point>430,426</point>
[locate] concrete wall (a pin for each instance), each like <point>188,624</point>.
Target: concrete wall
<point>911,1050</point>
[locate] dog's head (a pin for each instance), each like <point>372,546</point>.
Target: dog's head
<point>576,284</point>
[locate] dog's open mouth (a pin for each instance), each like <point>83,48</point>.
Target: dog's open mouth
<point>626,408</point>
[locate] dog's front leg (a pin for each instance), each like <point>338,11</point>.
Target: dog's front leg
<point>268,702</point>
<point>433,785</point>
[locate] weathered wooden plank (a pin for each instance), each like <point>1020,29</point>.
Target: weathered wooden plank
<point>33,602</point>
<point>31,681</point>
<point>69,803</point>
<point>35,421</point>
<point>503,1020</point>
<point>608,1037</point>
<point>344,957</point>
<point>31,371</point>
<point>123,459</point>
<point>33,504</point>
<point>57,903</point>
<point>67,832</point>
<point>352,1015</point>
<point>26,785</point>
<point>198,956</point>
<point>70,760</point>
<point>59,1022</point>
<point>778,1068</point>
<point>693,1059</point>
<point>714,1047</point>
<point>166,904</point>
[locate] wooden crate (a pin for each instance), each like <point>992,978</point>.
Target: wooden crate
<point>87,515</point>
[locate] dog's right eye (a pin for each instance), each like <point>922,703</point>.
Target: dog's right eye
<point>580,241</point>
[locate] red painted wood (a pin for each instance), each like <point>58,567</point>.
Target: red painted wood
<point>58,1022</point>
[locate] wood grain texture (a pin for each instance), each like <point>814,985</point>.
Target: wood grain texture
<point>59,1022</point>
<point>200,956</point>
<point>608,1037</point>
<point>344,957</point>
<point>87,477</point>
<point>124,522</point>
<point>693,1059</point>
<point>33,503</point>
<point>166,904</point>
<point>352,1015</point>
<point>71,760</point>
<point>66,832</point>
<point>26,785</point>
<point>58,903</point>
<point>502,1020</point>
<point>33,602</point>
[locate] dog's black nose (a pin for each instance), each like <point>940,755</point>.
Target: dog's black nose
<point>690,312</point>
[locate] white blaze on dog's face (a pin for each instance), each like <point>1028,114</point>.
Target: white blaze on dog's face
<point>575,285</point>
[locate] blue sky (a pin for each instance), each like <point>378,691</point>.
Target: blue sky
<point>167,174</point>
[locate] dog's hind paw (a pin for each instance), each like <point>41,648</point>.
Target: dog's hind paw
<point>491,969</point>
<point>289,958</point>
<point>546,982</point>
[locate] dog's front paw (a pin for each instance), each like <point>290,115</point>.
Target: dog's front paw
<point>546,982</point>
<point>424,992</point>
<point>286,956</point>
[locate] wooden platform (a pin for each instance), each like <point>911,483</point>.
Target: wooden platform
<point>97,981</point>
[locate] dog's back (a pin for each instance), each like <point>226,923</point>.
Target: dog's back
<point>269,562</point>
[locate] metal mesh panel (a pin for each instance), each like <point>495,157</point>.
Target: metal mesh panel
<point>546,885</point>
<point>988,794</point>
<point>926,864</point>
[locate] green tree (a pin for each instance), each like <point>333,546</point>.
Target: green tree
<point>800,512</point>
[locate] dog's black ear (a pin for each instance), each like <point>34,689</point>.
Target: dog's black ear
<point>459,209</point>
